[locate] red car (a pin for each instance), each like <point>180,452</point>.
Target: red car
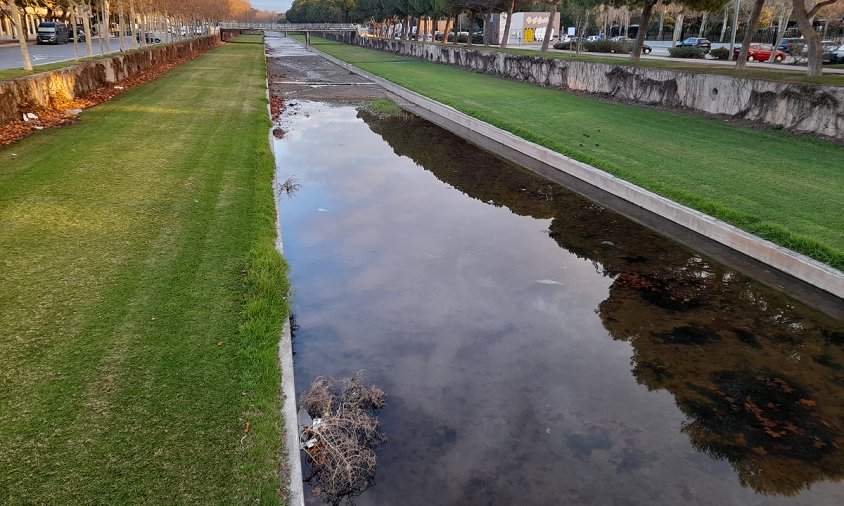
<point>760,52</point>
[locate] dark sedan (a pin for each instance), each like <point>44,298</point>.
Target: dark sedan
<point>646,49</point>
<point>696,42</point>
<point>835,56</point>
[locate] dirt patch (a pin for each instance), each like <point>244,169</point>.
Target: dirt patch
<point>312,77</point>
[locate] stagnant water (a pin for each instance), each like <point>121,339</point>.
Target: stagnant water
<point>537,348</point>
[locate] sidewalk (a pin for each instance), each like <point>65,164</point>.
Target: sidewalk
<point>8,41</point>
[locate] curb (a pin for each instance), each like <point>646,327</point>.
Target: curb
<point>789,262</point>
<point>295,488</point>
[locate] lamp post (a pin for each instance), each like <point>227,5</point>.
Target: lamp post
<point>735,28</point>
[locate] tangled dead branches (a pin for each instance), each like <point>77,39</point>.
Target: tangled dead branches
<point>340,443</point>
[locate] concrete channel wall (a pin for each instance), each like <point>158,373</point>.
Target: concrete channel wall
<point>798,266</point>
<point>45,90</point>
<point>797,107</point>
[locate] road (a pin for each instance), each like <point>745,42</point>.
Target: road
<point>10,54</point>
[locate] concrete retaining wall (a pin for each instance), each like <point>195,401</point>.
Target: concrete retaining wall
<point>797,107</point>
<point>28,94</point>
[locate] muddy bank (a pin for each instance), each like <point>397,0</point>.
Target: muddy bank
<point>294,73</point>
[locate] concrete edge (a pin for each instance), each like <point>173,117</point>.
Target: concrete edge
<point>792,263</point>
<point>295,487</point>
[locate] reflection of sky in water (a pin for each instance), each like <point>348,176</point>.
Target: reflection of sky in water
<point>503,388</point>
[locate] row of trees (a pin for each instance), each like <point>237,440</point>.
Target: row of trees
<point>129,17</point>
<point>388,13</point>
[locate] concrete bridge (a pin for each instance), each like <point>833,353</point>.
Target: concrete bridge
<point>305,28</point>
<point>293,27</point>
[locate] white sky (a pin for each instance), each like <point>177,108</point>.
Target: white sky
<point>272,5</point>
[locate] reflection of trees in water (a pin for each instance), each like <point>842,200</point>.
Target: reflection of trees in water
<point>759,376</point>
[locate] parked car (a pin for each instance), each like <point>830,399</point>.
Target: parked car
<point>789,44</point>
<point>646,49</point>
<point>52,33</point>
<point>760,52</point>
<point>80,35</point>
<point>696,42</point>
<point>149,38</point>
<point>834,56</point>
<point>594,38</point>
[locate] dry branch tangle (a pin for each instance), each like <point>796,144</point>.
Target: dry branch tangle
<point>341,442</point>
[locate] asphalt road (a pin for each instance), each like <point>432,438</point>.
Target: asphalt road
<point>10,54</point>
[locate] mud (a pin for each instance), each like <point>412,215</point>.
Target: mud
<point>294,73</point>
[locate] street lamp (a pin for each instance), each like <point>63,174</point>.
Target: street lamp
<point>735,28</point>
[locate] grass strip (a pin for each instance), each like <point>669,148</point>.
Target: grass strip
<point>142,297</point>
<point>786,189</point>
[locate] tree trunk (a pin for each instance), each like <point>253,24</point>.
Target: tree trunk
<point>741,62</point>
<point>20,30</point>
<point>456,27</point>
<point>703,24</point>
<point>724,23</point>
<point>107,23</point>
<point>813,38</point>
<point>447,29</point>
<point>785,13</point>
<point>121,26</point>
<point>647,10</point>
<point>86,25</point>
<point>661,24</point>
<point>100,29</point>
<point>471,28</point>
<point>678,29</point>
<point>488,27</point>
<point>506,36</point>
<point>547,39</point>
<point>74,31</point>
<point>132,23</point>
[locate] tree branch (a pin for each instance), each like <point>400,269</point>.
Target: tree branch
<point>820,5</point>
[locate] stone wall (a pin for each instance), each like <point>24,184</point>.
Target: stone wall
<point>797,107</point>
<point>31,93</point>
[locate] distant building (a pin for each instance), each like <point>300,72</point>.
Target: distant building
<point>525,27</point>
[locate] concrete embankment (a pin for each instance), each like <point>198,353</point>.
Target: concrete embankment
<point>48,89</point>
<point>794,106</point>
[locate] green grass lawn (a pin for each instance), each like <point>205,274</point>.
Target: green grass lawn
<point>142,298</point>
<point>787,189</point>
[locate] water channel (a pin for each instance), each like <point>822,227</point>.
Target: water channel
<point>537,348</point>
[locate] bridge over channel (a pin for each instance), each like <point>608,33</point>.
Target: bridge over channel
<point>305,28</point>
<point>293,27</point>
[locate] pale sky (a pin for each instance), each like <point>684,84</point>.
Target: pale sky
<point>272,5</point>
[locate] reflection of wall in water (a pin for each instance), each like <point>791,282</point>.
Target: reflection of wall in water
<point>760,376</point>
